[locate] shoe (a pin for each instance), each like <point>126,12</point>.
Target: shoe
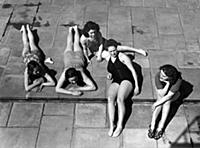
<point>158,134</point>
<point>151,133</point>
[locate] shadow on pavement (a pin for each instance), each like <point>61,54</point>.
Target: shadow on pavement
<point>184,134</point>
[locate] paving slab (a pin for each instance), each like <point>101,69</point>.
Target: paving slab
<point>14,42</point>
<point>91,138</point>
<point>12,87</point>
<point>144,21</point>
<point>155,3</point>
<point>25,115</point>
<point>176,133</point>
<point>188,60</point>
<point>162,57</point>
<point>55,131</point>
<point>192,76</point>
<point>193,4</point>
<point>97,13</point>
<point>133,3</point>
<point>119,30</point>
<point>139,112</point>
<point>4,113</point>
<point>175,42</point>
<point>68,3</point>
<point>90,2</point>
<point>168,21</point>
<point>4,55</point>
<point>146,89</point>
<point>15,66</point>
<point>18,137</point>
<point>90,115</point>
<point>192,115</point>
<point>65,109</point>
<point>137,138</point>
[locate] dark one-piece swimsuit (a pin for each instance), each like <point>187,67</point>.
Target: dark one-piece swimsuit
<point>119,71</point>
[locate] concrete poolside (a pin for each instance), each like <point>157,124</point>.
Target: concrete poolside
<point>167,29</point>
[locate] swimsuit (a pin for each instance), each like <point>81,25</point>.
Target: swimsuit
<point>74,59</point>
<point>119,71</point>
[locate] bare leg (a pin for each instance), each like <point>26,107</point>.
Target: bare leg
<point>77,40</point>
<point>69,46</point>
<point>25,41</point>
<point>125,89</point>
<point>154,117</point>
<point>31,39</point>
<point>112,95</point>
<point>127,48</point>
<point>165,111</point>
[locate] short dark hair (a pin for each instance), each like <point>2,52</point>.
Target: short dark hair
<point>71,72</point>
<point>31,66</point>
<point>112,42</point>
<point>171,72</point>
<point>90,25</point>
<point>34,65</point>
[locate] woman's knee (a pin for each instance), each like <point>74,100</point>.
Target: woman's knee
<point>120,100</point>
<point>111,100</point>
<point>167,104</point>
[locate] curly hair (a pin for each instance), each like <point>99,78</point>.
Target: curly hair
<point>90,25</point>
<point>171,72</point>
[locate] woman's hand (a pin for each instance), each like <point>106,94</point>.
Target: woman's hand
<point>136,91</point>
<point>109,76</point>
<point>39,80</point>
<point>77,93</point>
<point>99,59</point>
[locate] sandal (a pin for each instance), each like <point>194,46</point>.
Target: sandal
<point>151,132</point>
<point>158,134</point>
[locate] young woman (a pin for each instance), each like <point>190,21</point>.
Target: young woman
<point>167,81</point>
<point>124,82</point>
<point>36,73</point>
<point>74,75</point>
<point>92,40</point>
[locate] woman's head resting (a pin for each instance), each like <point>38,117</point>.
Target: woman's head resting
<point>34,69</point>
<point>71,75</point>
<point>169,73</point>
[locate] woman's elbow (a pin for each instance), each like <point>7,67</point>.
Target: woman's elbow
<point>57,89</point>
<point>93,87</point>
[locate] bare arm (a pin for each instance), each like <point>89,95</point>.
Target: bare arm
<point>50,81</point>
<point>35,83</point>
<point>60,83</point>
<point>164,99</point>
<point>99,54</point>
<point>126,60</point>
<point>85,50</point>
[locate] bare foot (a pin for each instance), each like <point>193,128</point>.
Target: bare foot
<point>117,132</point>
<point>49,60</point>
<point>144,53</point>
<point>22,29</point>
<point>110,132</point>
